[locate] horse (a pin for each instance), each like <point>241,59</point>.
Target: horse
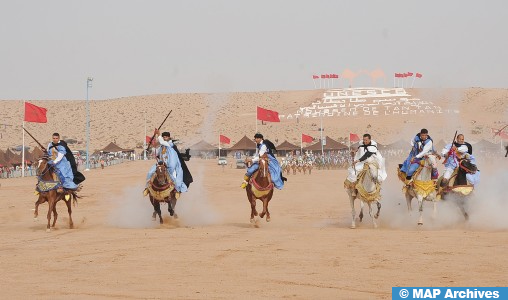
<point>50,190</point>
<point>423,187</point>
<point>458,184</point>
<point>309,167</point>
<point>368,190</point>
<point>162,189</point>
<point>294,166</point>
<point>260,187</point>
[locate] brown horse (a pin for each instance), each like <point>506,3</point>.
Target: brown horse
<point>48,192</point>
<point>260,187</point>
<point>162,189</point>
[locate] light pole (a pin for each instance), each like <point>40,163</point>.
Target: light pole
<point>88,85</point>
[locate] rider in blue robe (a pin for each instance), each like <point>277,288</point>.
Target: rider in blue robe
<point>421,146</point>
<point>167,154</point>
<point>57,152</point>
<point>274,168</point>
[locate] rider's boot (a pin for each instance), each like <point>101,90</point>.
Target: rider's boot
<point>145,191</point>
<point>245,181</point>
<point>408,181</point>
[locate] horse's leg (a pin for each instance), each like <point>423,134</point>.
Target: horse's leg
<point>420,209</point>
<point>409,198</point>
<point>154,215</point>
<point>37,203</point>
<point>157,207</point>
<point>378,204</point>
<point>265,204</point>
<point>371,213</point>
<point>55,214</point>
<point>462,207</point>
<point>69,210</point>
<point>50,210</point>
<point>269,197</point>
<point>353,213</point>
<point>360,216</point>
<point>172,204</point>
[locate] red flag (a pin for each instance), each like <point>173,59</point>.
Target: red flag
<point>503,135</point>
<point>398,75</point>
<point>307,138</point>
<point>409,74</point>
<point>224,139</point>
<point>148,138</point>
<point>418,75</point>
<point>322,76</point>
<point>315,77</point>
<point>267,115</point>
<point>327,76</point>
<point>34,113</point>
<point>353,138</point>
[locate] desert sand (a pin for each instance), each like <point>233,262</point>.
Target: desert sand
<point>307,251</point>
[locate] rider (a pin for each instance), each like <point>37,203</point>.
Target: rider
<point>274,168</point>
<point>57,152</point>
<point>452,153</point>
<point>421,145</point>
<point>169,156</point>
<point>366,149</point>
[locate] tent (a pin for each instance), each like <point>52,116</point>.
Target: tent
<point>203,147</point>
<point>331,144</point>
<point>244,144</point>
<point>112,147</point>
<point>287,146</point>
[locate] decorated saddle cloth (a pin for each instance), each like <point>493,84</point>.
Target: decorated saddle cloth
<point>161,193</point>
<point>46,186</point>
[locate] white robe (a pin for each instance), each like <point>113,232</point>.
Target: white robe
<point>353,172</point>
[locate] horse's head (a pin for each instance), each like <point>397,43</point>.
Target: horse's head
<point>161,173</point>
<point>263,165</point>
<point>42,165</point>
<point>372,163</point>
<point>431,161</point>
<point>467,166</point>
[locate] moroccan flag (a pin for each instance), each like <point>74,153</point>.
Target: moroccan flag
<point>418,75</point>
<point>323,76</point>
<point>315,77</point>
<point>307,138</point>
<point>353,138</point>
<point>327,76</point>
<point>148,138</point>
<point>267,115</point>
<point>224,139</point>
<point>409,74</point>
<point>34,113</point>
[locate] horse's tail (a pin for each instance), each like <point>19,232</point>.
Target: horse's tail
<point>75,198</point>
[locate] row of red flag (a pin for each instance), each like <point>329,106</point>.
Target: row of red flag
<point>325,76</point>
<point>408,74</point>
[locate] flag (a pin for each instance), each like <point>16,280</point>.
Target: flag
<point>315,77</point>
<point>353,138</point>
<point>224,139</point>
<point>148,138</point>
<point>327,76</point>
<point>34,113</point>
<point>398,75</point>
<point>307,138</point>
<point>322,76</point>
<point>418,75</point>
<point>409,74</point>
<point>267,115</point>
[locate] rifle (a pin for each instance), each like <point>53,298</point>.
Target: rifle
<point>153,136</point>
<point>450,151</point>
<point>40,145</point>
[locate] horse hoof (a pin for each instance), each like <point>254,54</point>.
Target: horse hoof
<point>420,223</point>
<point>252,221</point>
<point>268,219</point>
<point>48,230</point>
<point>35,219</point>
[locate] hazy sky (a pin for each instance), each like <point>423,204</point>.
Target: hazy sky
<point>48,48</point>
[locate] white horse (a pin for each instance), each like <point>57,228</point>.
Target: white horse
<point>423,187</point>
<point>367,188</point>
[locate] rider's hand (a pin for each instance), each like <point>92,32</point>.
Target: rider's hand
<point>156,132</point>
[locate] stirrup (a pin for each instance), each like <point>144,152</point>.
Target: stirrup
<point>177,195</point>
<point>244,184</point>
<point>145,192</point>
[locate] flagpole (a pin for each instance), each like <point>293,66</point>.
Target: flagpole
<point>413,81</point>
<point>23,146</point>
<point>144,144</point>
<point>219,144</point>
<point>256,119</point>
<point>314,81</point>
<point>301,144</point>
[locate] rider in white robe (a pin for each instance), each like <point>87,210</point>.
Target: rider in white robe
<point>367,149</point>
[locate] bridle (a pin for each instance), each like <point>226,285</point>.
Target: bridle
<point>464,167</point>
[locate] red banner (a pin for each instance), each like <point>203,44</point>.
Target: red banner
<point>148,138</point>
<point>418,75</point>
<point>224,139</point>
<point>315,77</point>
<point>353,138</point>
<point>267,115</point>
<point>307,138</point>
<point>34,113</point>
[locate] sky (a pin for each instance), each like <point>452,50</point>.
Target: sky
<point>49,48</point>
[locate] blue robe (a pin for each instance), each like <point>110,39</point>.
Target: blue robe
<point>273,167</point>
<point>170,157</point>
<point>408,167</point>
<point>63,167</point>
